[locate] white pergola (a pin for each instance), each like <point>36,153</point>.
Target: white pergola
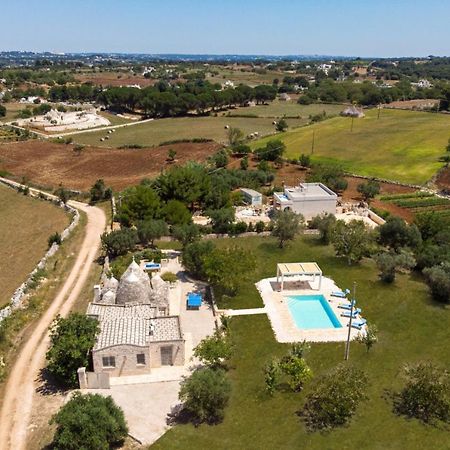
<point>296,269</point>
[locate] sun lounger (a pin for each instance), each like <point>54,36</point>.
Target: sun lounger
<point>340,294</point>
<point>345,306</point>
<point>358,324</point>
<point>347,313</point>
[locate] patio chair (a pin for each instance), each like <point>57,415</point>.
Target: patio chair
<point>347,313</point>
<point>347,306</point>
<point>340,294</point>
<point>358,324</point>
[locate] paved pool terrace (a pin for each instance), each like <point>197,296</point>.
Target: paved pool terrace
<point>281,320</point>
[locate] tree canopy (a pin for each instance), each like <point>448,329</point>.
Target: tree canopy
<point>71,339</point>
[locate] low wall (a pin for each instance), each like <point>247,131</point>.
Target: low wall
<point>18,297</point>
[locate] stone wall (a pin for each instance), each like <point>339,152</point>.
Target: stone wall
<point>126,362</point>
<point>18,297</point>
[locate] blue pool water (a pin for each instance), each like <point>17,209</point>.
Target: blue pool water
<point>312,311</point>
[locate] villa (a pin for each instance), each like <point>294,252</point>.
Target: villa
<point>308,199</point>
<point>136,331</point>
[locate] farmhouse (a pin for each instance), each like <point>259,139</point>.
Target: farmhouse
<point>308,199</point>
<point>136,331</point>
<point>352,111</point>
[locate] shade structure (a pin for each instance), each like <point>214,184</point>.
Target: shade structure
<point>298,269</point>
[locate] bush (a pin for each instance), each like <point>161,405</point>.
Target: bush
<point>71,339</point>
<point>169,277</point>
<point>259,226</point>
<point>214,350</point>
<point>89,422</point>
<point>99,191</point>
<point>150,230</point>
<point>426,395</point>
<point>438,279</point>
<point>205,394</point>
<point>55,238</point>
<point>335,398</point>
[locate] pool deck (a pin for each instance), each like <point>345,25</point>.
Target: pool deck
<point>282,321</point>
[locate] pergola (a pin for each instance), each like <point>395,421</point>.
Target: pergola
<point>295,269</point>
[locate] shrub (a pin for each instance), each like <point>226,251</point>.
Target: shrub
<point>205,394</point>
<point>369,338</point>
<point>438,279</point>
<point>271,375</point>
<point>150,230</point>
<point>214,350</point>
<point>426,395</point>
<point>71,339</point>
<point>89,422</point>
<point>259,226</point>
<point>186,233</point>
<point>55,238</point>
<point>170,277</point>
<point>335,398</point>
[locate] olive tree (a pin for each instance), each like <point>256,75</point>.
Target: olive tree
<point>426,395</point>
<point>71,339</point>
<point>286,226</point>
<point>205,394</point>
<point>335,398</point>
<point>89,421</point>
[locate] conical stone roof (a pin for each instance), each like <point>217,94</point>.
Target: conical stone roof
<point>134,286</point>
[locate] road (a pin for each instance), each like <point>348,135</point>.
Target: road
<point>20,388</point>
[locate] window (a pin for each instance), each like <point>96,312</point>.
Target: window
<point>109,361</point>
<point>140,359</point>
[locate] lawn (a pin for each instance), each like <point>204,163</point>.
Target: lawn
<point>25,226</point>
<point>412,328</point>
<point>291,108</point>
<point>161,130</point>
<point>401,145</point>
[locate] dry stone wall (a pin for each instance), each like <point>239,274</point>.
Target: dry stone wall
<point>18,297</point>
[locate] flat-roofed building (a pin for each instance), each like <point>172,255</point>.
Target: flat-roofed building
<point>251,196</point>
<point>307,199</point>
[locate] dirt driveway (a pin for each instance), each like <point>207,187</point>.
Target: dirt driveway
<point>21,384</point>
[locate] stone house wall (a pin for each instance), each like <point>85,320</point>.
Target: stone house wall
<point>126,362</point>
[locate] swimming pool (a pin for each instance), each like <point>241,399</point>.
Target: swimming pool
<point>312,311</point>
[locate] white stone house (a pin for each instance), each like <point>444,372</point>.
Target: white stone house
<point>136,331</point>
<point>307,199</point>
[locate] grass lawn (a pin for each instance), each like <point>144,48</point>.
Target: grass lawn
<point>161,130</point>
<point>291,108</point>
<point>412,328</point>
<point>12,109</point>
<point>401,145</point>
<point>25,226</point>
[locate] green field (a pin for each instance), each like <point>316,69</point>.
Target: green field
<point>401,145</point>
<point>291,108</point>
<point>25,226</point>
<point>161,130</point>
<point>412,328</point>
<point>244,76</point>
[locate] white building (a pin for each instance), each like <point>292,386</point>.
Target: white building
<point>251,196</point>
<point>307,199</point>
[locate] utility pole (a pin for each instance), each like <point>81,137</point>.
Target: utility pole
<point>352,304</point>
<point>351,127</point>
<point>379,110</point>
<point>312,145</point>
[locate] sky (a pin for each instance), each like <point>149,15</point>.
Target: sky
<point>273,27</point>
